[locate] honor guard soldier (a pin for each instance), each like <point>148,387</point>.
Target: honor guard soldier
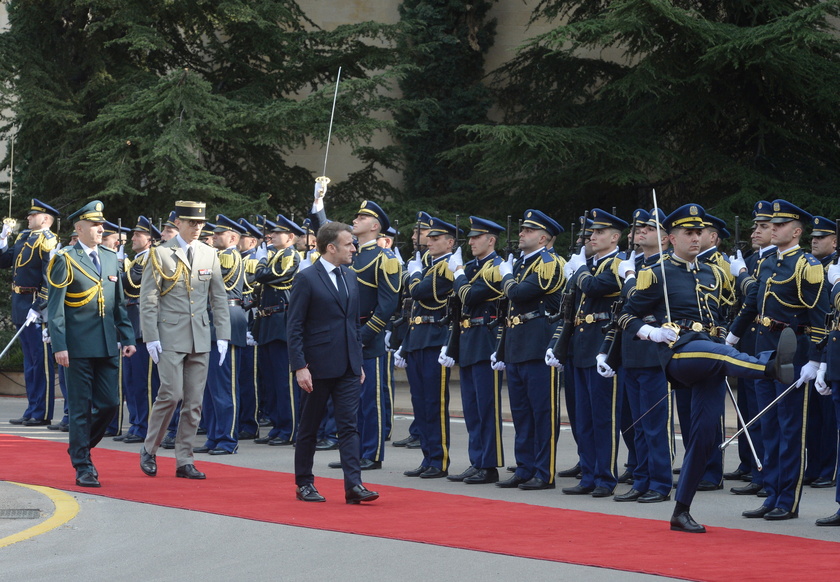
<point>597,399</point>
<point>478,286</point>
<point>821,431</point>
<point>249,398</point>
<point>645,384</point>
<point>681,294</point>
<point>430,287</point>
<point>747,469</point>
<point>169,229</point>
<point>790,292</point>
<point>532,286</point>
<point>275,275</point>
<point>87,321</point>
<point>140,374</point>
<point>29,257</point>
<point>378,272</point>
<point>828,377</point>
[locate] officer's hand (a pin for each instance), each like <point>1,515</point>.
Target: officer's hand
<point>62,358</point>
<point>261,252</point>
<point>627,267</point>
<point>129,351</point>
<point>4,234</point>
<point>320,190</point>
<point>445,360</point>
<point>415,265</point>
<point>833,274</point>
<point>575,262</point>
<point>45,335</point>
<point>496,364</point>
<point>399,361</point>
<point>737,264</point>
<point>222,346</point>
<point>387,339</point>
<point>32,315</point>
<point>819,382</point>
<point>154,348</point>
<point>551,360</point>
<point>121,253</point>
<point>732,339</point>
<point>304,379</point>
<point>249,339</point>
<point>398,255</point>
<point>604,369</point>
<point>808,373</point>
<point>662,335</point>
<point>456,261</point>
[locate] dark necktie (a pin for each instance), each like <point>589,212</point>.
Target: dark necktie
<point>342,291</point>
<point>189,254</point>
<point>95,259</point>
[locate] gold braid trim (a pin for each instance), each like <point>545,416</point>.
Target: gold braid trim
<point>179,270</point>
<point>81,298</point>
<point>645,278</point>
<point>233,263</point>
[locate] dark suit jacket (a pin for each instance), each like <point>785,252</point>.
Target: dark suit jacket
<point>323,333</point>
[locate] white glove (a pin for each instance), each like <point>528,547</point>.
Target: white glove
<point>603,369</point>
<point>819,382</point>
<point>415,265</point>
<point>32,315</point>
<point>261,252</point>
<point>53,252</point>
<point>496,365</point>
<point>398,255</point>
<point>222,346</point>
<point>387,339</point>
<point>4,234</point>
<point>445,360</point>
<point>808,373</point>
<point>320,191</point>
<point>736,263</point>
<point>121,253</point>
<point>551,360</point>
<point>506,267</point>
<point>732,339</point>
<point>662,335</point>
<point>456,261</point>
<point>575,262</point>
<point>833,273</point>
<point>154,350</point>
<point>304,264</point>
<point>627,266</point>
<point>45,335</point>
<point>399,361</point>
<point>249,339</point>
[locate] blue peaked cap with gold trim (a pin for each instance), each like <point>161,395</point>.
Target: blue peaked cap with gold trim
<point>145,225</point>
<point>762,211</point>
<point>438,227</point>
<point>539,220</point>
<point>170,220</point>
<point>207,230</point>
<point>686,216</point>
<point>718,224</point>
<point>640,217</point>
<point>603,219</point>
<point>370,208</point>
<point>110,228</point>
<point>39,207</point>
<point>423,219</point>
<point>823,226</point>
<point>283,224</point>
<point>784,211</point>
<point>656,218</point>
<point>250,229</point>
<point>91,211</point>
<point>479,226</point>
<point>224,223</point>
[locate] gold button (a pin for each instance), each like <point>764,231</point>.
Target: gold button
<point>589,318</point>
<point>696,326</point>
<point>765,321</point>
<point>418,320</point>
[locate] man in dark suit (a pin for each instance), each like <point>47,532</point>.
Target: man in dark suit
<point>87,318</point>
<point>327,359</point>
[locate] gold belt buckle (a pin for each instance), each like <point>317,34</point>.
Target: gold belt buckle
<point>516,320</point>
<point>418,320</point>
<point>766,321</point>
<point>696,326</point>
<point>589,318</point>
<point>466,324</point>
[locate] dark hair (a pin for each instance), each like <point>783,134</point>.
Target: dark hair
<point>328,234</point>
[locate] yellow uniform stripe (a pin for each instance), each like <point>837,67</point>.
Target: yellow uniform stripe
<point>379,425</point>
<point>233,382</point>
<point>708,356</point>
<point>443,412</point>
<point>798,492</point>
<point>497,420</point>
<point>614,425</point>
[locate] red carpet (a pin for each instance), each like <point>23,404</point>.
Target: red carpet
<point>515,529</point>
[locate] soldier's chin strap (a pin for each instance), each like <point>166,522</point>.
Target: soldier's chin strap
<point>669,324</point>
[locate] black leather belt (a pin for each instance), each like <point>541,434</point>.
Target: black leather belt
<point>593,318</point>
<point>234,302</point>
<point>774,325</point>
<point>522,318</point>
<point>418,319</point>
<point>476,321</point>
<point>266,311</point>
<point>24,290</point>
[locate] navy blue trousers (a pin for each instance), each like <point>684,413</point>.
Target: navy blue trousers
<point>248,392</point>
<point>533,405</point>
<point>282,396</point>
<point>481,399</point>
<point>221,400</point>
<point>650,402</point>
<point>141,383</point>
<point>429,385</point>
<point>821,437</point>
<point>374,409</point>
<point>598,414</point>
<point>38,374</point>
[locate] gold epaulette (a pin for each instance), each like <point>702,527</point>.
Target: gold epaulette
<point>390,265</point>
<point>644,279</point>
<point>813,273</point>
<point>490,273</point>
<point>226,260</point>
<point>47,243</point>
<point>547,269</point>
<point>287,262</point>
<point>442,270</point>
<point>251,266</point>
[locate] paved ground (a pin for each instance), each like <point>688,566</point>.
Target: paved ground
<point>110,538</point>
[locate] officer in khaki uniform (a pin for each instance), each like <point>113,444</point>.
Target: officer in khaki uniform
<point>181,277</point>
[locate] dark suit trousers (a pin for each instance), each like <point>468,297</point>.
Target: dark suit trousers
<point>93,399</point>
<point>345,396</point>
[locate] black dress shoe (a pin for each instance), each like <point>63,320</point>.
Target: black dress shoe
<point>119,438</point>
<point>36,422</point>
<point>573,472</point>
<point>735,475</point>
<point>201,450</point>
<point>359,493</point>
<point>262,440</point>
<point>62,426</point>
<point>415,444</point>
<point>511,469</point>
<point>783,362</point>
<point>536,484</point>
<point>133,438</point>
<point>709,486</point>
<point>309,493</point>
<point>405,441</point>
<point>280,442</point>
<point>148,463</point>
<point>168,443</point>
<point>201,431</point>
<point>220,452</point>
<point>247,436</point>
<point>631,495</point>
<point>763,493</point>
<point>433,473</point>
<point>602,492</point>
<point>369,465</point>
<point>685,523</point>
<point>334,464</point>
<point>483,476</point>
<point>189,472</point>
<point>779,514</point>
<point>416,472</point>
<point>326,445</point>
<point>109,433</point>
<point>470,471</point>
<point>265,422</point>
<point>653,497</point>
<point>822,483</point>
<point>756,513</point>
<point>831,520</point>
<point>626,477</point>
<point>511,483</point>
<point>87,479</point>
<point>748,489</point>
<point>578,490</point>
<point>20,420</point>
<point>747,477</point>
